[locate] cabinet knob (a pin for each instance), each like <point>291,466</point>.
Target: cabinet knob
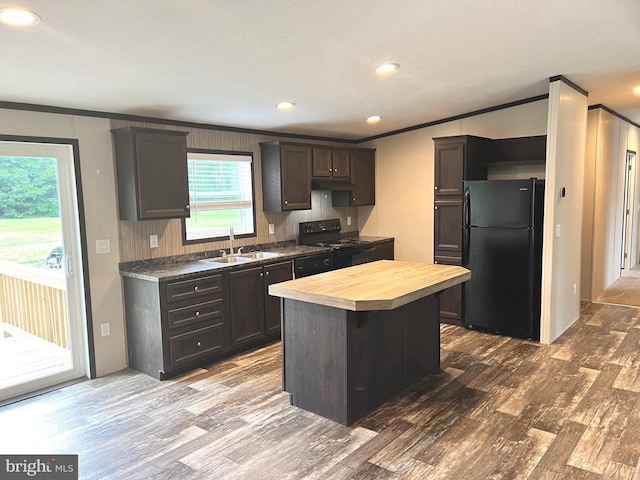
<point>261,274</point>
<point>435,208</point>
<point>353,199</point>
<point>199,344</point>
<point>435,261</point>
<point>286,202</point>
<point>196,288</point>
<point>197,314</point>
<point>266,273</point>
<point>331,170</point>
<point>436,187</point>
<point>188,207</point>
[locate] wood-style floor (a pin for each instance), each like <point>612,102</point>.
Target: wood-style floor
<point>624,291</point>
<point>501,408</point>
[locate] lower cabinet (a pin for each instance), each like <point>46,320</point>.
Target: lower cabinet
<point>450,300</point>
<point>256,314</point>
<point>175,326</point>
<point>383,251</point>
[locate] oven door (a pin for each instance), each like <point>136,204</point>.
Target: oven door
<point>312,264</point>
<point>347,257</point>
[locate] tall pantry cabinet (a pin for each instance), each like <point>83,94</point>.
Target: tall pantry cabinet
<point>456,159</point>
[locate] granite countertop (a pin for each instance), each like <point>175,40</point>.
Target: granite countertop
<point>180,267</point>
<point>381,285</point>
<point>176,268</point>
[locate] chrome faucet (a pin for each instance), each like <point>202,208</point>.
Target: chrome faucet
<point>231,241</point>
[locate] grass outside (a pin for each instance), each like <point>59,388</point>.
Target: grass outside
<point>29,240</point>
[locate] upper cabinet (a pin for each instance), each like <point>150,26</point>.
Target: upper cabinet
<point>331,163</point>
<point>152,173</point>
<point>363,178</point>
<point>452,162</point>
<point>286,176</point>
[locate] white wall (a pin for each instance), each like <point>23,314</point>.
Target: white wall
<point>404,175</point>
<point>566,138</point>
<point>608,140</point>
<point>98,185</point>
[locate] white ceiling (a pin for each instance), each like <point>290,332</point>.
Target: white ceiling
<point>228,62</point>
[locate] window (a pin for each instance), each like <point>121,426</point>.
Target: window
<point>220,195</point>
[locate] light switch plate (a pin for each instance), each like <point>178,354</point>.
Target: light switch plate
<point>153,241</point>
<point>105,329</point>
<point>103,246</point>
<point>272,230</point>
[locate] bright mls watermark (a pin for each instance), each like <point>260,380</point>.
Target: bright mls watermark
<point>50,467</point>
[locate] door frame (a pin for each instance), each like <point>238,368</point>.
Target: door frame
<point>75,147</point>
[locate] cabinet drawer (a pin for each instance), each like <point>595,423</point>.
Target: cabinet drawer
<point>447,259</point>
<point>181,316</point>
<point>196,344</point>
<point>194,288</point>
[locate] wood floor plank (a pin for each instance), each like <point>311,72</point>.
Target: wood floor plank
<point>500,408</point>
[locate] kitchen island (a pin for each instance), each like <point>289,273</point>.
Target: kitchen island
<point>353,338</point>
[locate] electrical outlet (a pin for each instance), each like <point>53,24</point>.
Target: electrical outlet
<point>575,289</point>
<point>105,329</point>
<point>153,241</point>
<point>103,246</point>
<point>272,230</point>
<point>349,220</point>
<point>558,231</point>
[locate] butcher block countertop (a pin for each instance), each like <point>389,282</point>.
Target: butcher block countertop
<point>381,285</point>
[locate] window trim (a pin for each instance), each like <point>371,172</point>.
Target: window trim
<point>196,241</point>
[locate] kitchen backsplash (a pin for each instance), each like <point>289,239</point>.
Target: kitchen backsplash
<point>134,236</point>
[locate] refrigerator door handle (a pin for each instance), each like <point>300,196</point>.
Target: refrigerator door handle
<point>466,211</point>
<point>466,233</point>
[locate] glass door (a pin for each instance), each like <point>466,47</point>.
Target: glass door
<point>42,319</point>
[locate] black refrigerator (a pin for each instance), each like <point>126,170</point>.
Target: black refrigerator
<point>502,246</point>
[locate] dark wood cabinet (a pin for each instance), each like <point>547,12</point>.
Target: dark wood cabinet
<point>456,159</point>
<point>152,173</point>
<point>450,300</point>
<point>275,273</point>
<point>363,178</point>
<point>255,314</point>
<point>383,251</point>
<point>447,227</point>
<point>331,163</point>
<point>286,176</point>
<point>247,305</point>
<point>174,326</point>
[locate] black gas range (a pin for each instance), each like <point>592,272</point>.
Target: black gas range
<point>326,233</point>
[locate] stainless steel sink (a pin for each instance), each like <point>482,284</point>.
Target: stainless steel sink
<point>234,259</point>
<point>260,255</point>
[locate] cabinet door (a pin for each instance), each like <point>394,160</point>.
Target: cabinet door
<point>363,176</point>
<point>447,228</point>
<point>449,168</point>
<point>341,164</point>
<point>276,273</point>
<point>383,251</point>
<point>322,164</point>
<point>161,168</point>
<point>296,177</point>
<point>450,300</point>
<point>247,305</point>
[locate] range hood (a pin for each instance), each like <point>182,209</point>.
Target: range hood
<point>331,184</point>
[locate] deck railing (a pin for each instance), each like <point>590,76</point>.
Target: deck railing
<point>34,300</point>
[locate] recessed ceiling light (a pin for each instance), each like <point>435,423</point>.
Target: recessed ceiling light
<point>18,17</point>
<point>374,119</point>
<point>285,105</point>
<point>636,90</point>
<point>387,68</point>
